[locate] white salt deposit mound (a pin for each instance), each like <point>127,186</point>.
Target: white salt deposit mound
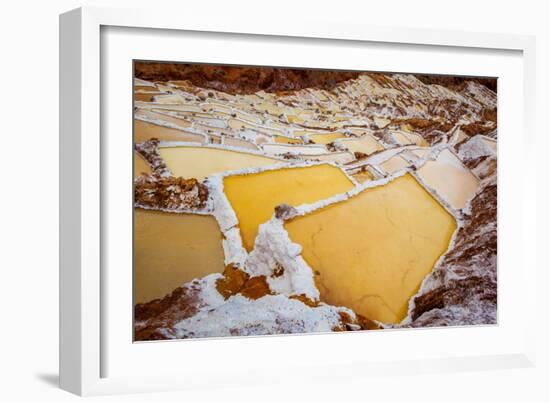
<point>272,314</point>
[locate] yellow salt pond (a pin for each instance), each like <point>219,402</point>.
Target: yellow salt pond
<point>453,181</point>
<point>141,166</point>
<point>200,162</point>
<point>185,110</point>
<point>144,131</point>
<point>172,249</point>
<point>145,97</point>
<point>366,144</point>
<point>286,140</point>
<point>359,132</point>
<point>308,149</point>
<point>169,118</point>
<point>371,252</point>
<point>325,138</point>
<point>145,88</point>
<point>254,197</point>
<point>236,142</point>
<point>296,119</point>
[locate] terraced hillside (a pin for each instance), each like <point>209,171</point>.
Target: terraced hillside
<point>272,201</point>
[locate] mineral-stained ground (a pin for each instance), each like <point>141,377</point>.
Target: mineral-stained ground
<point>277,201</point>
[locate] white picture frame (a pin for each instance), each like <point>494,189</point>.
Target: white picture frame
<point>83,294</point>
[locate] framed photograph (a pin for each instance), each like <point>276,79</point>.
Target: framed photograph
<point>237,192</point>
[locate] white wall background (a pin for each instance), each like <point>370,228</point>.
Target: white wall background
<point>29,197</point>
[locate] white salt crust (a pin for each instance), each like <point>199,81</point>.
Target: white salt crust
<point>225,147</point>
<point>271,314</point>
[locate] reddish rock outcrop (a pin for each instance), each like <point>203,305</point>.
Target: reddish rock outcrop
<point>169,193</point>
<point>153,320</point>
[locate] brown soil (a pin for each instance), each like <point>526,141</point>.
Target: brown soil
<point>242,80</point>
<point>489,114</point>
<point>255,287</point>
<point>476,128</point>
<point>235,281</point>
<point>424,125</point>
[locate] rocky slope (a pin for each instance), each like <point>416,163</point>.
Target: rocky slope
<point>241,80</point>
<point>462,288</point>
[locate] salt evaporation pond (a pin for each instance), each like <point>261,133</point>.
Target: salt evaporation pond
<point>366,145</point>
<point>454,182</point>
<point>146,96</point>
<point>371,252</point>
<point>341,157</point>
<point>255,196</point>
<point>180,122</point>
<point>172,249</point>
<point>145,88</point>
<point>308,149</point>
<point>141,166</point>
<point>417,139</point>
<point>144,131</point>
<point>286,140</point>
<point>394,164</point>
<point>200,162</point>
<point>235,142</point>
<point>322,138</point>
